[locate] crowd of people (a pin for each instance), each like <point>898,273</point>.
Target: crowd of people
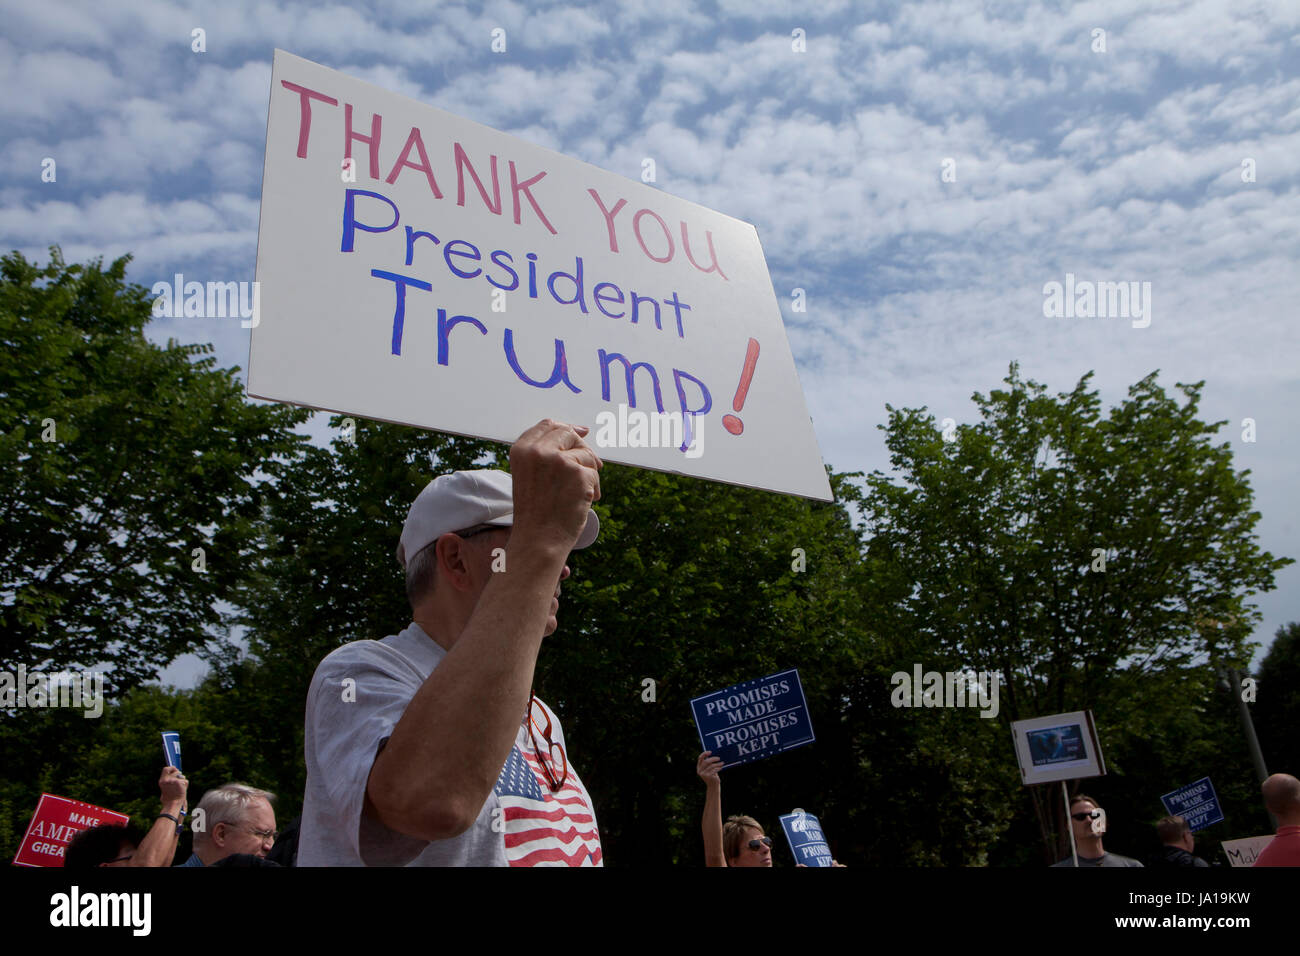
<point>429,747</point>
<point>233,825</point>
<point>1281,795</point>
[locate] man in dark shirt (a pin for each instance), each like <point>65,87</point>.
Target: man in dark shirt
<point>1179,842</point>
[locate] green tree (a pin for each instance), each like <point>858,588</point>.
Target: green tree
<point>1079,556</point>
<point>118,461</point>
<point>697,585</point>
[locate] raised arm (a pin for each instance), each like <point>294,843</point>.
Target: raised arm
<point>159,844</point>
<point>711,824</point>
<point>443,758</point>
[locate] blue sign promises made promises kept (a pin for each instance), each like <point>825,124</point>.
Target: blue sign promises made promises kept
<point>1197,803</point>
<point>807,841</point>
<point>755,719</point>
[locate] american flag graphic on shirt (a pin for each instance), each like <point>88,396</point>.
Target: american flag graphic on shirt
<point>544,828</point>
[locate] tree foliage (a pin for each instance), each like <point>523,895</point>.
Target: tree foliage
<point>694,586</point>
<point>118,459</point>
<point>1093,561</point>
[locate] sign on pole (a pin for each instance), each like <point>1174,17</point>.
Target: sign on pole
<point>807,841</point>
<point>1197,803</point>
<point>417,267</point>
<point>56,821</point>
<point>1058,747</point>
<point>755,719</point>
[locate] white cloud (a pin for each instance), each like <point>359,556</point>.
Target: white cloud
<point>1117,165</point>
<point>44,83</point>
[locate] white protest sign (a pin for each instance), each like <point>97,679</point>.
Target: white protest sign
<point>1246,851</point>
<point>416,267</point>
<point>1058,747</point>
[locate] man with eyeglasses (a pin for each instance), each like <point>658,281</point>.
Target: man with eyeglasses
<point>233,819</point>
<point>1089,822</point>
<point>429,748</point>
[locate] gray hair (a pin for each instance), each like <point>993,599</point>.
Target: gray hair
<point>422,568</point>
<point>421,575</point>
<point>227,804</point>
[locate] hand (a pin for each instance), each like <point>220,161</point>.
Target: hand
<point>173,785</point>
<point>707,767</point>
<point>556,477</point>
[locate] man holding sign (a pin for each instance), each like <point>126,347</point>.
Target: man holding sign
<point>428,748</point>
<point>1089,822</point>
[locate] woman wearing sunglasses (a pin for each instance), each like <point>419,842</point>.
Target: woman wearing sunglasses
<point>741,840</point>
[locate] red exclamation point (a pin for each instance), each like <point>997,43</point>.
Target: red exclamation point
<point>730,422</point>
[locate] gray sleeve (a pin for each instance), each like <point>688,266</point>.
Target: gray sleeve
<point>357,697</point>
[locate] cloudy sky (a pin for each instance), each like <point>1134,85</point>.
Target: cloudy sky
<point>1163,149</point>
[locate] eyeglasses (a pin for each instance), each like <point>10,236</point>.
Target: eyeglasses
<point>1090,815</point>
<point>764,841</point>
<point>547,759</point>
<point>262,835</point>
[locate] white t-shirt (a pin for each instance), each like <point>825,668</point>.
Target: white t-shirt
<point>522,823</point>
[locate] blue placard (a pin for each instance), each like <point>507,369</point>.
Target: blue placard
<point>1197,803</point>
<point>172,748</point>
<point>807,841</point>
<point>755,719</point>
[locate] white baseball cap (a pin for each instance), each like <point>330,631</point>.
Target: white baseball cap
<point>463,500</point>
